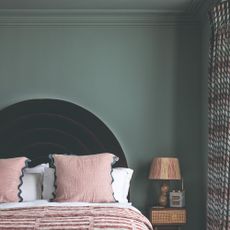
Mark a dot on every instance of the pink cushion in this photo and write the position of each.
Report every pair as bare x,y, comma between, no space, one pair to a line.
10,172
84,178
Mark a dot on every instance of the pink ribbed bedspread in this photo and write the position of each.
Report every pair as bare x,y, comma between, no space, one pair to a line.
87,217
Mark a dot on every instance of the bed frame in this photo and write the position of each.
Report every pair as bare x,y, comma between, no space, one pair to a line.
37,128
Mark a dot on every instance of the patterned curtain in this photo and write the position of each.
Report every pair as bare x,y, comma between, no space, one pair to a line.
218,206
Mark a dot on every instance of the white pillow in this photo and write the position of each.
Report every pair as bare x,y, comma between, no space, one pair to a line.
121,183
48,184
31,187
37,169
32,183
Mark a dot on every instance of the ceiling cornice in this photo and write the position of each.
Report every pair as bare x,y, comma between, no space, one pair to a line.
76,18
20,12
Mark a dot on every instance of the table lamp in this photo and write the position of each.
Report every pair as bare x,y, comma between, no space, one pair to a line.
165,169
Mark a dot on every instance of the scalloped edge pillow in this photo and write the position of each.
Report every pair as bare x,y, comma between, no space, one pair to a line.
31,188
11,172
122,177
121,183
85,178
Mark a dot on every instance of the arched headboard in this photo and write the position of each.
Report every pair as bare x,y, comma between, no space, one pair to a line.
39,127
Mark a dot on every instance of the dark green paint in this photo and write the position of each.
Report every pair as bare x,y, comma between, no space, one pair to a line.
144,83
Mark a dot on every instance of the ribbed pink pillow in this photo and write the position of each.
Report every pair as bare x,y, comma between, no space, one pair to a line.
10,172
84,178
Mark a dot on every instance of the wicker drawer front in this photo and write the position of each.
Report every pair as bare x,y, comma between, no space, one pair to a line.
168,217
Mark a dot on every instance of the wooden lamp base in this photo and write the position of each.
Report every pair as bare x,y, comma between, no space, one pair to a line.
163,199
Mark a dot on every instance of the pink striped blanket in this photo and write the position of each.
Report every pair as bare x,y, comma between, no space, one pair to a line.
87,217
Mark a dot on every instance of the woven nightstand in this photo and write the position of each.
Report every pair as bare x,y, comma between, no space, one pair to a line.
167,218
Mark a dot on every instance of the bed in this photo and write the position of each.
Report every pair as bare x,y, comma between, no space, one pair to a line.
37,128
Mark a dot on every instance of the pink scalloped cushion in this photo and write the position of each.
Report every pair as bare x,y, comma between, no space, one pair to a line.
84,178
10,172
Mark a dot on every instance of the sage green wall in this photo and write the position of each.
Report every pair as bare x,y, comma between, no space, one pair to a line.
188,122
205,62
144,83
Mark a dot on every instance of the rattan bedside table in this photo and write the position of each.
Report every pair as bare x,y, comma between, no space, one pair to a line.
167,218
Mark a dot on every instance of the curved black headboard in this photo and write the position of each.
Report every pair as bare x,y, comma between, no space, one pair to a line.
37,128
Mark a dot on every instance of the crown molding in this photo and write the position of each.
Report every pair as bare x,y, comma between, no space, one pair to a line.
20,12
85,18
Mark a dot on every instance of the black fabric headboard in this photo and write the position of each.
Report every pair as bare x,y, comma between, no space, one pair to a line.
37,128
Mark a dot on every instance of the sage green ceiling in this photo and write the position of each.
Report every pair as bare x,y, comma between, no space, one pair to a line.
146,5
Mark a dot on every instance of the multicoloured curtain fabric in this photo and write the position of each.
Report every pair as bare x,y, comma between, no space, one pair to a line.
218,206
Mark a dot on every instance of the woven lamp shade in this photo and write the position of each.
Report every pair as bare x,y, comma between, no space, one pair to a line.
165,168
